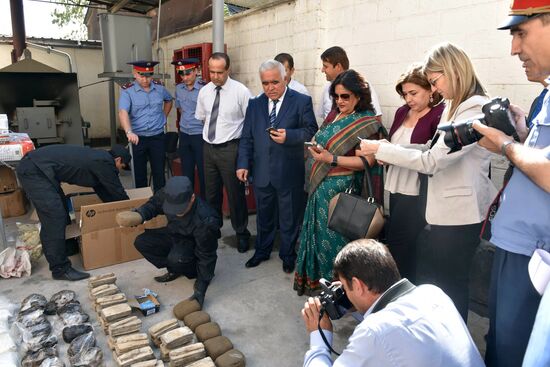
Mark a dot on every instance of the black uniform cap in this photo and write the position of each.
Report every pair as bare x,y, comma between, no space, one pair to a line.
118,150
178,191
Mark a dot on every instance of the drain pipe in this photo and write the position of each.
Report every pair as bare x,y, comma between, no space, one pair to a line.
51,49
18,29
160,52
217,25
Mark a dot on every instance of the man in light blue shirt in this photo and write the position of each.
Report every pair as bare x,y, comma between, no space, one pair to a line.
190,136
522,223
142,109
403,325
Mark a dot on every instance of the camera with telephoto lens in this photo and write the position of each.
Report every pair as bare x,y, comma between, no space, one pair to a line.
334,301
496,113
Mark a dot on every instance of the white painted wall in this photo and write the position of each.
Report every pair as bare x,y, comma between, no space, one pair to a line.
88,63
381,37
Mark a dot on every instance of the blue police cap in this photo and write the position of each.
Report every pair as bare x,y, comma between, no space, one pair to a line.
144,67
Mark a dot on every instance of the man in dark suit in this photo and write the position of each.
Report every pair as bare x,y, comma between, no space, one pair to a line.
277,124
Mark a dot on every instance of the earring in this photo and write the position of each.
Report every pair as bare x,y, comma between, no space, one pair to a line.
431,98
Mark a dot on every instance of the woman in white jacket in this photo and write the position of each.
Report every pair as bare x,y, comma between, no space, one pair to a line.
459,188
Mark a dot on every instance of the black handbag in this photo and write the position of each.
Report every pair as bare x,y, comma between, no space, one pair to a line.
353,216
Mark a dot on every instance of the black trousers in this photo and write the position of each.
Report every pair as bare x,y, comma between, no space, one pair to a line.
152,149
176,253
513,305
220,171
282,207
51,210
407,219
444,260
191,149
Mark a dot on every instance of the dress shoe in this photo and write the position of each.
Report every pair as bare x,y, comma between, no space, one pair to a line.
168,277
71,274
242,247
255,261
288,266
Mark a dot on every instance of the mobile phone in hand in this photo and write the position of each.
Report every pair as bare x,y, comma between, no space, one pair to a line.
270,129
317,147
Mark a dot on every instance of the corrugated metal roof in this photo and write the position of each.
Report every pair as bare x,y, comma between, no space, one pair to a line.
136,6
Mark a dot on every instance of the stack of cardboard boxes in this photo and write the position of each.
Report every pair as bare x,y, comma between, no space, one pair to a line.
12,198
102,241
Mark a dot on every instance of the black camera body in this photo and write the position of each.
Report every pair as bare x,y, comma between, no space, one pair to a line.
496,113
334,301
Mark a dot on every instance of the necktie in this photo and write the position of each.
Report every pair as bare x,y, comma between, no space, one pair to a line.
214,116
273,114
537,108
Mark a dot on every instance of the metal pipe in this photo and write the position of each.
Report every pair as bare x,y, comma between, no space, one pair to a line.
217,25
112,109
18,29
162,68
51,49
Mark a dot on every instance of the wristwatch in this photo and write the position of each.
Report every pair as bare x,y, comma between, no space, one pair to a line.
334,162
505,145
128,131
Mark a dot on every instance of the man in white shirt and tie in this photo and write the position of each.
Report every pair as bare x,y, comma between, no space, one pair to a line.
222,104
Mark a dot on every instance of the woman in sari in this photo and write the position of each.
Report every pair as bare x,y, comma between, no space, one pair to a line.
333,171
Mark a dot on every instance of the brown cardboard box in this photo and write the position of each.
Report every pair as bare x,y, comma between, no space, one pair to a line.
103,242
8,181
13,204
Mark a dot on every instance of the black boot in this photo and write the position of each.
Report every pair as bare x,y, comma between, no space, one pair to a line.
71,274
199,292
168,277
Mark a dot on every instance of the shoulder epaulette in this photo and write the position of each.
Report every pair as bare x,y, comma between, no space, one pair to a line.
158,82
127,85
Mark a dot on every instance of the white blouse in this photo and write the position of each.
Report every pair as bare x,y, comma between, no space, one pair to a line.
398,179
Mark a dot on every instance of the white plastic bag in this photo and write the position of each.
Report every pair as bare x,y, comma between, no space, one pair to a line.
14,263
28,238
9,359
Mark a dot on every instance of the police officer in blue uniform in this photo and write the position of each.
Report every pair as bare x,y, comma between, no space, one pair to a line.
143,107
190,136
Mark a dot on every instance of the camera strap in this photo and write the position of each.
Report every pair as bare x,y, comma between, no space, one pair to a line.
401,288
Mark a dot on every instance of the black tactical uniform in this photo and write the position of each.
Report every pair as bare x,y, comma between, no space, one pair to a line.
41,173
188,244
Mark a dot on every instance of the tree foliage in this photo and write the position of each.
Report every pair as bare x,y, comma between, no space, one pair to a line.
70,17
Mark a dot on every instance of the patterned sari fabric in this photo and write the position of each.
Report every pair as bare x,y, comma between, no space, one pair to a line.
318,244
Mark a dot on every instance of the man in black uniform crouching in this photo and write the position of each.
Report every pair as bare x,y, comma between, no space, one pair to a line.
41,173
188,244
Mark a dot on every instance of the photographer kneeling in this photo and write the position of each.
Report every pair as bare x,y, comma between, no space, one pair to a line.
403,325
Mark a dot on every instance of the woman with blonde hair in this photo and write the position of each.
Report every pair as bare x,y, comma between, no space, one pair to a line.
459,188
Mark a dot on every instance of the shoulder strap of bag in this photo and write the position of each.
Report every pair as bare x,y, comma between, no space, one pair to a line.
367,180
400,289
